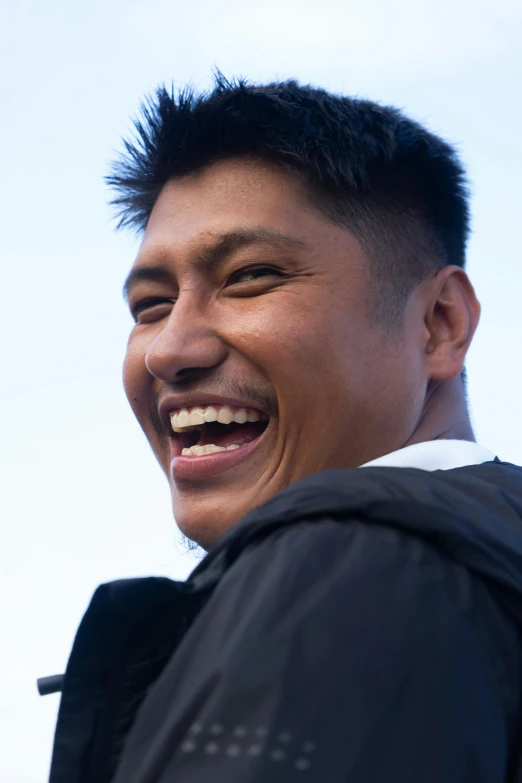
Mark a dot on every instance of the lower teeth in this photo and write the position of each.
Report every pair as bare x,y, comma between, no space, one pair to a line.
197,451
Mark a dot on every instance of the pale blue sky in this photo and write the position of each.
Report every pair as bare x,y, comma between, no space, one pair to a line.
82,499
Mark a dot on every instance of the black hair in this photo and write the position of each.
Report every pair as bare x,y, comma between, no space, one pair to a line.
397,187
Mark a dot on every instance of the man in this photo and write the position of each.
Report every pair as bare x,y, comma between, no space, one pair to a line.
302,317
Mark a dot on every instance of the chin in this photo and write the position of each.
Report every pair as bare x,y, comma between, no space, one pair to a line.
204,529
204,514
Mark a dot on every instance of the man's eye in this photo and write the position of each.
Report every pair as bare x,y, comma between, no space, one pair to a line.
150,309
252,274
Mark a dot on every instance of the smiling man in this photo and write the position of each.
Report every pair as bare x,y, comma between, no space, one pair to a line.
301,320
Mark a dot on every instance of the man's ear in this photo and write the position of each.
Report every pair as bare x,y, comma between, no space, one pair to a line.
451,317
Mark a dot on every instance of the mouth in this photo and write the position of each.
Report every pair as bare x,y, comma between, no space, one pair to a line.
209,439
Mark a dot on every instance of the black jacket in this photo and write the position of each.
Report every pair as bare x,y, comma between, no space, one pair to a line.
362,626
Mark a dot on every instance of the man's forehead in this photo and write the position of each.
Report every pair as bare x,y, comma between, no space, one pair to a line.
245,190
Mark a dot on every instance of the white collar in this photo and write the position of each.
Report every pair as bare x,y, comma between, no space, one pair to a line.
435,455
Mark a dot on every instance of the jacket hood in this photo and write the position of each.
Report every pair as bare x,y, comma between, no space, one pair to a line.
453,511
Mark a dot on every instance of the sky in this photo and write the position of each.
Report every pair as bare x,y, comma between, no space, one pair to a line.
83,500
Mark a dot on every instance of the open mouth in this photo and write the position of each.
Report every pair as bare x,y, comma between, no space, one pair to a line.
211,429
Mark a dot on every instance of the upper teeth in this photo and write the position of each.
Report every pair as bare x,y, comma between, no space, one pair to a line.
224,414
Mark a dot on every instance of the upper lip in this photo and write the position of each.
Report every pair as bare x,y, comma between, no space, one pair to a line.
174,402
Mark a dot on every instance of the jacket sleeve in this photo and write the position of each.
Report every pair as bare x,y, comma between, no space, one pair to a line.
350,653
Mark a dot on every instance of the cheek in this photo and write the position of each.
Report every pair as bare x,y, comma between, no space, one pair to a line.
295,344
136,378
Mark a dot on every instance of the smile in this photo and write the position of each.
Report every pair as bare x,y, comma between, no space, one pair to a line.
209,439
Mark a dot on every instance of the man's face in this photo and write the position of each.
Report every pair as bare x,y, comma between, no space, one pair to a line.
247,298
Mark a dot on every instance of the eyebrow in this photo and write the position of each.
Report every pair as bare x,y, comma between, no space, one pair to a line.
147,274
226,245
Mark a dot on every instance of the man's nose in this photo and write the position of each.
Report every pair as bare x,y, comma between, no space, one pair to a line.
186,342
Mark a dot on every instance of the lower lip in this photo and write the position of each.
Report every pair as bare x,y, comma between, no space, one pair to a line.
210,465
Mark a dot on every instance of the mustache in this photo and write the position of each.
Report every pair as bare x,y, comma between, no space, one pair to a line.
252,394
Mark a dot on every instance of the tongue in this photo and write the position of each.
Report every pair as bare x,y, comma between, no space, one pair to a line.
221,436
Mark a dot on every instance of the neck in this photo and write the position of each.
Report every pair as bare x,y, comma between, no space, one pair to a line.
445,414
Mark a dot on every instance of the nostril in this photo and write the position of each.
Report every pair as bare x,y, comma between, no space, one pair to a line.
192,373
186,371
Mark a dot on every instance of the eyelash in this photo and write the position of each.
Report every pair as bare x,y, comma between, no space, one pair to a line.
145,304
252,270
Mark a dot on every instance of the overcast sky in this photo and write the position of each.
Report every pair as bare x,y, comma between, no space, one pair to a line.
83,500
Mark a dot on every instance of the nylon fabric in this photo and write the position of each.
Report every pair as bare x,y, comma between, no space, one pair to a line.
360,625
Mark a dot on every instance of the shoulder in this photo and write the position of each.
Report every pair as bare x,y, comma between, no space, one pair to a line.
341,553
359,581
335,575
367,610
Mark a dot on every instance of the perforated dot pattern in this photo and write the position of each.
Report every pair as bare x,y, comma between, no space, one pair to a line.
218,739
